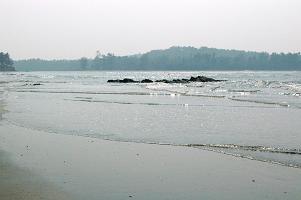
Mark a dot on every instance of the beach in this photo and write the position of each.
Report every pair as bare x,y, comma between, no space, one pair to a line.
71,139
19,182
150,100
52,166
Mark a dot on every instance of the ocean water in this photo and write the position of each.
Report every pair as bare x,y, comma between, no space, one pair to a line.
254,115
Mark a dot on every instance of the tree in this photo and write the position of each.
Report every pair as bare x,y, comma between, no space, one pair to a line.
6,63
84,63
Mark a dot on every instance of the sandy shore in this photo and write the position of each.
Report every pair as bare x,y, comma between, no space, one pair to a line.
17,183
41,165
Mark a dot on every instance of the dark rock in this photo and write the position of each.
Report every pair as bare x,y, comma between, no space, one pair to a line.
162,81
183,80
176,81
125,80
206,79
202,79
192,79
146,81
180,81
128,80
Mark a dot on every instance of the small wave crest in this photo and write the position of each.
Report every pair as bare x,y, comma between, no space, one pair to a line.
249,148
260,102
280,156
91,100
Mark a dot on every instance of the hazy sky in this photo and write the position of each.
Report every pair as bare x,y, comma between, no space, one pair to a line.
75,28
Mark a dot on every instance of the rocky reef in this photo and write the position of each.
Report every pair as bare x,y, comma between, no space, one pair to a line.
183,80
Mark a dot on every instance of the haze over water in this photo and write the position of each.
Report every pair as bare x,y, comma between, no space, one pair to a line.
253,114
75,28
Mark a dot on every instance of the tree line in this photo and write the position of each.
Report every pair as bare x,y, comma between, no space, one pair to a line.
176,58
190,58
6,63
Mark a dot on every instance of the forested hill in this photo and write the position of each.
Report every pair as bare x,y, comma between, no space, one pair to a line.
6,63
174,58
47,65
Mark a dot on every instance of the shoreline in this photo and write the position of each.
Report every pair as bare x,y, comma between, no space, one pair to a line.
93,168
36,164
18,182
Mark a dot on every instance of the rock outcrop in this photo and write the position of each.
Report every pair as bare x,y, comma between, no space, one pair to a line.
183,80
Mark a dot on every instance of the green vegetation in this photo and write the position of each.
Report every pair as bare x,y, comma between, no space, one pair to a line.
6,63
174,58
47,65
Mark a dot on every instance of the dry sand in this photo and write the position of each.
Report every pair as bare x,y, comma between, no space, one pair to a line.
41,165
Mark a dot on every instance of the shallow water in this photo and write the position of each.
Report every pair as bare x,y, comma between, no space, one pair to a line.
253,114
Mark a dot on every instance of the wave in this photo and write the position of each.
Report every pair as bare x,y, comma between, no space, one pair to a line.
284,157
85,92
235,150
4,82
282,104
206,95
241,90
120,93
260,102
249,148
90,100
186,93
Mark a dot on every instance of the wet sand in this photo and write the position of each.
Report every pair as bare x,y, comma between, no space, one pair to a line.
20,183
17,183
41,165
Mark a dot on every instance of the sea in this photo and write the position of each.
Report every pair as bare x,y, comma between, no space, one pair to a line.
251,114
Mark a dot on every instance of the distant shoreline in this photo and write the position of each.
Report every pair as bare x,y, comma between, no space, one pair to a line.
267,70
173,58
